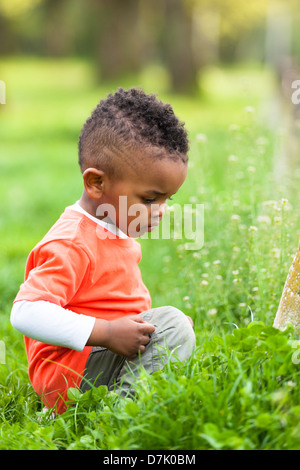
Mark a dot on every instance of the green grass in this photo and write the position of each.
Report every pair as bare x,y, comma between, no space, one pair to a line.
241,388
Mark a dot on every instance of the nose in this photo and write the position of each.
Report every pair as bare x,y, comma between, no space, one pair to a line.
160,211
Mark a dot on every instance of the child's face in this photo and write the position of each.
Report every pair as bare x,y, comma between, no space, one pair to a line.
140,198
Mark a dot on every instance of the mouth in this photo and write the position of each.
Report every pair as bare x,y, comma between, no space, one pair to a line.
151,227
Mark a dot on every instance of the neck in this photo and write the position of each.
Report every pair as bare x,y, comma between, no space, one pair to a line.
88,204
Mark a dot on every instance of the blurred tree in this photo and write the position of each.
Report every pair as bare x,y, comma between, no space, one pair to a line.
55,29
177,46
6,36
232,18
10,10
118,39
124,36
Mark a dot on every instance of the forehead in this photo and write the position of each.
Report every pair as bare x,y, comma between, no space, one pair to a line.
159,172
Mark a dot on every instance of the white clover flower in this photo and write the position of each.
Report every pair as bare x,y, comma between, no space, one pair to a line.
251,169
276,252
252,228
201,138
204,283
264,219
232,158
186,298
235,217
262,141
285,203
234,127
217,262
270,203
212,311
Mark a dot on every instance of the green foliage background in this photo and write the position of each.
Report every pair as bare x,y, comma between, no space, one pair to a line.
241,388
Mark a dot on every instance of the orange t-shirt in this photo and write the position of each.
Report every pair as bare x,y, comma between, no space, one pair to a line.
80,266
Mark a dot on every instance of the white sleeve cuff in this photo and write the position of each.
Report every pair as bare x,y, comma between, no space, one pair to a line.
52,324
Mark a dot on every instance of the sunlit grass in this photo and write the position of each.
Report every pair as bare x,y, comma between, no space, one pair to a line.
241,389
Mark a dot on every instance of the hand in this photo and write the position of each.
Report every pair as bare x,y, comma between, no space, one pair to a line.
126,336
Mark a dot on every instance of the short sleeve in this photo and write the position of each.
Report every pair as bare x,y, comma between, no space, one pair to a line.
54,273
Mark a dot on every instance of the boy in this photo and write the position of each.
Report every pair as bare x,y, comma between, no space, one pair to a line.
83,308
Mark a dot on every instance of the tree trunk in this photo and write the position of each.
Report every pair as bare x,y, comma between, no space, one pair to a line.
118,40
7,38
177,46
289,306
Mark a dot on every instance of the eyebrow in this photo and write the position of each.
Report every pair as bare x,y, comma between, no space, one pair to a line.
153,191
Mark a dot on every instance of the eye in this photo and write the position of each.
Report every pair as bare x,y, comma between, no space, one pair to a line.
148,200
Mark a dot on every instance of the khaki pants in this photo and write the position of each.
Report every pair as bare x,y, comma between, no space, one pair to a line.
173,331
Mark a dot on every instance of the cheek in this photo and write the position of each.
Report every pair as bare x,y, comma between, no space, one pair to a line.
139,211
158,210
138,220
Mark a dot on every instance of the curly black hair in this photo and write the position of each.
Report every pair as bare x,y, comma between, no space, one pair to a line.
128,119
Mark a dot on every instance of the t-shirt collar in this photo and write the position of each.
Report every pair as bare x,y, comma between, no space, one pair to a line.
110,227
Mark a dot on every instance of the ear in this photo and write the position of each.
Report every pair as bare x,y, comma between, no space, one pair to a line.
94,181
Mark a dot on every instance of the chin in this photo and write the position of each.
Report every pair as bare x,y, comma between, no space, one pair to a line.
139,233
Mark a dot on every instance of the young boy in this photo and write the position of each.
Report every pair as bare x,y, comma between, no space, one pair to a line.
83,308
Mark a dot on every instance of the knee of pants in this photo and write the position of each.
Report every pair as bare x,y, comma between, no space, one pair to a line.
172,328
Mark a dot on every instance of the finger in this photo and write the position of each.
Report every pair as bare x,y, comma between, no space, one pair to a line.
141,350
148,328
132,356
145,339
138,319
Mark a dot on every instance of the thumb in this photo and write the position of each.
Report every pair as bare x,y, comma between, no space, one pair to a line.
138,319
147,328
